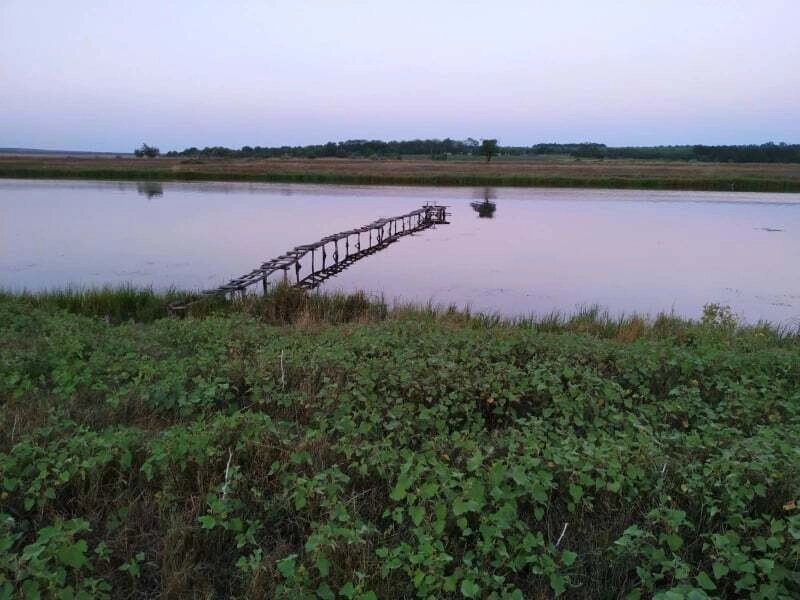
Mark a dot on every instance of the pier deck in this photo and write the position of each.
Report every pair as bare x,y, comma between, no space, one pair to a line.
330,255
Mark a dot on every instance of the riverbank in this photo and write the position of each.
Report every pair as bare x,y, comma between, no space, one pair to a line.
331,446
550,172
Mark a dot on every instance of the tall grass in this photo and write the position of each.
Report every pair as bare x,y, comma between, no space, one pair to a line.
114,304
284,305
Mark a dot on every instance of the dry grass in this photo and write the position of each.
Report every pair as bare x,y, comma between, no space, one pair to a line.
511,171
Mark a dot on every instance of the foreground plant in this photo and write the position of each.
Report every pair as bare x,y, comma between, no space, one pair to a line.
407,453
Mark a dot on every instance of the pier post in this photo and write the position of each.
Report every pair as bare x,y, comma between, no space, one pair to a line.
385,231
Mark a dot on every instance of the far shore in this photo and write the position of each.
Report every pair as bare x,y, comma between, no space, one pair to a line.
517,172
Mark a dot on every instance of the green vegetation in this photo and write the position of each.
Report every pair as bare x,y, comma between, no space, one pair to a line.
507,168
744,153
346,149
332,447
114,304
744,182
489,149
148,151
443,163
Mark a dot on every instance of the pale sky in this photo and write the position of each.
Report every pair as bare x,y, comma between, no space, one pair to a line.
108,75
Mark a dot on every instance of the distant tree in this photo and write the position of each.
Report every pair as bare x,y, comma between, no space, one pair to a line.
148,151
769,152
589,150
489,149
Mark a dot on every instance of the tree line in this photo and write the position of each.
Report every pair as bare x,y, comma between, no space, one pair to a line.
450,148
346,149
759,153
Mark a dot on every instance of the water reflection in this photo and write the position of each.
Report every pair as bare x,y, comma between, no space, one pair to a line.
486,208
151,189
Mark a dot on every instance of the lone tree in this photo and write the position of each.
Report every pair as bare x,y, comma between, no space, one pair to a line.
148,151
489,149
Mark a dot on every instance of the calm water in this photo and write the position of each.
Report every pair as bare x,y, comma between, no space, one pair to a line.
541,249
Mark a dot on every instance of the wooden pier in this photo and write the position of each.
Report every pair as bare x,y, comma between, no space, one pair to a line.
330,255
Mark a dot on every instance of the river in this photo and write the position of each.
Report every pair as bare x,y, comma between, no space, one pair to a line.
511,251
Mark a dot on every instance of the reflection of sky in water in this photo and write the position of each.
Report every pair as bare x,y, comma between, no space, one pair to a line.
542,249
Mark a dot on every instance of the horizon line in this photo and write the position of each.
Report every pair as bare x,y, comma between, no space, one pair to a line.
25,149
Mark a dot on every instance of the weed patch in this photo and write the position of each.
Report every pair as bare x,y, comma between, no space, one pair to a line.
335,447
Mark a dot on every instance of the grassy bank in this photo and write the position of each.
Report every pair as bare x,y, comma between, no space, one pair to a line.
565,172
331,446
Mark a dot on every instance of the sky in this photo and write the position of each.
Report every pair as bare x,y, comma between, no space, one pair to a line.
108,75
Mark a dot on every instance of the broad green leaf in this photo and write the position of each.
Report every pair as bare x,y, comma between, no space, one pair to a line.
558,583
460,506
399,491
704,581
324,592
286,566
674,541
417,513
576,492
766,565
474,461
73,555
207,521
720,570
323,566
470,589
347,590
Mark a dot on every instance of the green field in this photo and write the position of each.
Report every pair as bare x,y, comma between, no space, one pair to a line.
334,447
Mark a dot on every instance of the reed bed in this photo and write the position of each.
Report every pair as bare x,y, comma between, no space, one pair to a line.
286,305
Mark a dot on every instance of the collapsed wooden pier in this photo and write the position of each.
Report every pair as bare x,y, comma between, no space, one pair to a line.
331,254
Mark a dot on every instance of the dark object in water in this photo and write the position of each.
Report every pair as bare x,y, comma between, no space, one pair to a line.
484,209
151,189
